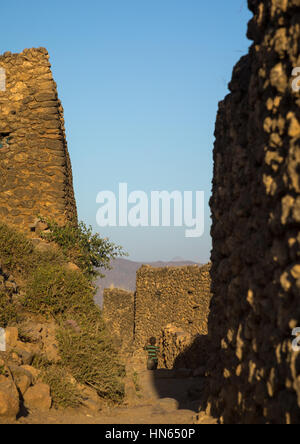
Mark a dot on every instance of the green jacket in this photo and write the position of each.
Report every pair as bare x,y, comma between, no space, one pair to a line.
153,351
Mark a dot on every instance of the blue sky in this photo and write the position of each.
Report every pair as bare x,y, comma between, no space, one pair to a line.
140,82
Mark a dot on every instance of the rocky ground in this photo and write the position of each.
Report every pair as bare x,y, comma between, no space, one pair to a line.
161,397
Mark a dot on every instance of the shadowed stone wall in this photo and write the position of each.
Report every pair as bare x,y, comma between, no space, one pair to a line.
255,374
35,169
118,312
180,349
171,295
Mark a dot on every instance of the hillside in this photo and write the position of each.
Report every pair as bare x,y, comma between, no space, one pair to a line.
56,351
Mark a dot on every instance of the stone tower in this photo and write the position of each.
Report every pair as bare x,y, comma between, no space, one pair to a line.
35,169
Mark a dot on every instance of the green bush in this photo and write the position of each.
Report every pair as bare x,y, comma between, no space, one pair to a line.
87,250
19,256
63,392
8,312
52,289
55,290
88,354
15,249
92,360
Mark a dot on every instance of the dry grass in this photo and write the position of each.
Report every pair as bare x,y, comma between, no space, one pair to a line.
87,353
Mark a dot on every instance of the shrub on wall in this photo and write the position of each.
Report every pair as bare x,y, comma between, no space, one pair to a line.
87,250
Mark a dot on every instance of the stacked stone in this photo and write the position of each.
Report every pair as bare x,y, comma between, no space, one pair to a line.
21,384
175,345
171,295
256,227
118,312
35,168
181,350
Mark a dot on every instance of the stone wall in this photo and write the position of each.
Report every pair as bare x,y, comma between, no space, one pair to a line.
182,350
255,374
35,169
118,312
177,295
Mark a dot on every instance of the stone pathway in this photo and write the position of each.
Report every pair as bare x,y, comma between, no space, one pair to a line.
161,397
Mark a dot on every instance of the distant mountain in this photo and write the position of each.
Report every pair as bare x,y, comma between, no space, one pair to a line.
123,274
178,259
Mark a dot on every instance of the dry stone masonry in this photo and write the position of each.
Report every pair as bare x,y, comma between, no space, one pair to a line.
170,303
171,295
255,374
35,169
182,350
118,312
